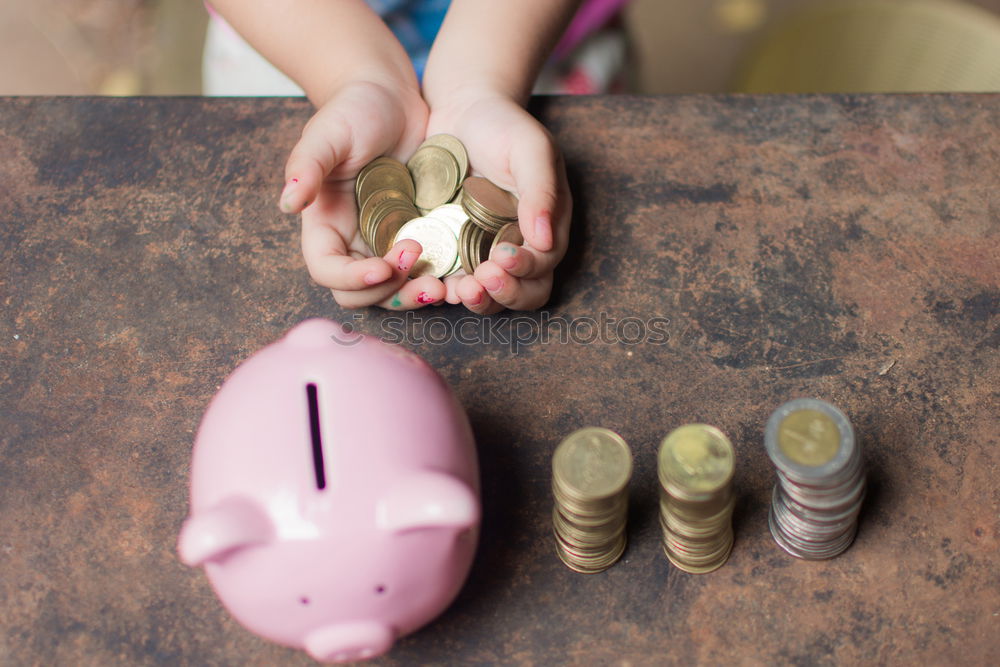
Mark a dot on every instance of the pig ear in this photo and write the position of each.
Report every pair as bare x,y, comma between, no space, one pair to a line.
232,524
428,500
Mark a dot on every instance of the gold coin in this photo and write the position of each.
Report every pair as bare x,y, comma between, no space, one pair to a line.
584,536
474,246
488,197
440,247
485,241
385,230
509,233
693,568
593,463
467,241
589,563
697,458
718,509
481,218
383,173
435,176
365,214
454,146
377,214
809,437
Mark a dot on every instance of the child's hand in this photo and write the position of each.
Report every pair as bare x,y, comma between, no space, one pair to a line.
512,149
360,122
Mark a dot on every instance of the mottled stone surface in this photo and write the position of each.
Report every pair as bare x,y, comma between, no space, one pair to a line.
846,248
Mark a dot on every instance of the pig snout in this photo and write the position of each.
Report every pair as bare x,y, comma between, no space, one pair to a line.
347,642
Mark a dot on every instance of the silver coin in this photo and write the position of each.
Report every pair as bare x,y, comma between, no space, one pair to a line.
821,483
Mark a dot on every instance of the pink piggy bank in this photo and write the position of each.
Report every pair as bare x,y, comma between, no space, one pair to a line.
334,493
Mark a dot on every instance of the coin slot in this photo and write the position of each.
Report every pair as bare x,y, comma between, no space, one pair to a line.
317,439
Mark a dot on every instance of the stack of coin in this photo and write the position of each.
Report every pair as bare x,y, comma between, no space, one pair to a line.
821,482
488,205
695,468
476,244
590,473
385,192
418,201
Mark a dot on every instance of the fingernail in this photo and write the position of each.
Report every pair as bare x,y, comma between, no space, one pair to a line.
285,202
424,297
372,278
407,259
543,227
506,255
492,284
477,300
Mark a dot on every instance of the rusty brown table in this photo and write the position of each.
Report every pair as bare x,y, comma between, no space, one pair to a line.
840,247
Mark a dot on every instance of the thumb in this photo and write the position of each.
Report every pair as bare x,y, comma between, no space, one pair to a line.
325,143
534,165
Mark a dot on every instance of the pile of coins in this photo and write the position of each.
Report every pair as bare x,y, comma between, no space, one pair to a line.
490,207
457,220
695,468
590,473
821,482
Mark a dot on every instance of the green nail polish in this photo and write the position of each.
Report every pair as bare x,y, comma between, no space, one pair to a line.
396,301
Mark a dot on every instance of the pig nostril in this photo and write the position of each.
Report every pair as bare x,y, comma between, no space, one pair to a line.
304,600
380,589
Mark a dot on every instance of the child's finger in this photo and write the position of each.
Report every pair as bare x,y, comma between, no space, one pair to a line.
345,273
396,263
415,293
501,286
534,164
515,260
475,298
328,259
451,287
323,145
513,292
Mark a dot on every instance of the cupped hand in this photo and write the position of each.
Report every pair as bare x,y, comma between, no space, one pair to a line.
362,121
511,148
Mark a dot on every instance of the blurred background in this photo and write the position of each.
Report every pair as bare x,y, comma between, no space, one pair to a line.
153,47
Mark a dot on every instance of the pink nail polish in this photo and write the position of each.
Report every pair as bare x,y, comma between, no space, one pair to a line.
477,300
406,260
424,297
371,278
492,284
